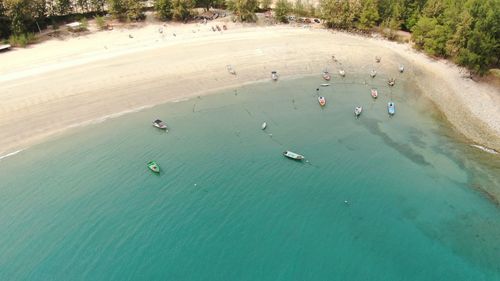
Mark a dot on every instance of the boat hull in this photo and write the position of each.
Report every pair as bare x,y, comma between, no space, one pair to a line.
293,155
374,93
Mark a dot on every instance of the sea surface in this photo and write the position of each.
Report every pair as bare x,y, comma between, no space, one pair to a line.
378,198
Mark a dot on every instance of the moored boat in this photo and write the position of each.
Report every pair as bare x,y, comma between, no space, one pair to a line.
160,124
322,101
326,75
391,82
377,59
401,68
264,126
274,75
153,166
373,73
374,93
325,85
342,72
357,111
293,155
391,108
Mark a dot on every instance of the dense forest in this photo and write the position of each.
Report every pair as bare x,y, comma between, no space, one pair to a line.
465,31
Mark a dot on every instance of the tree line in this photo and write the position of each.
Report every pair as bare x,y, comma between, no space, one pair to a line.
465,31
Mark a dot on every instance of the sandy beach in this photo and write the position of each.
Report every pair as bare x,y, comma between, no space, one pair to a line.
60,84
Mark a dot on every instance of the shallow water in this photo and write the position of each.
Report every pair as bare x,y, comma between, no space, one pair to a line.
229,206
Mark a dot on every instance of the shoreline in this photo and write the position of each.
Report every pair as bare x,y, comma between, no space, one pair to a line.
112,74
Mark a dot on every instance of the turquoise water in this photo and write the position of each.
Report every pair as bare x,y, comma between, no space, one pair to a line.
229,206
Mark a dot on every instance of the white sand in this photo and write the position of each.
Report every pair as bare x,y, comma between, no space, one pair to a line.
58,84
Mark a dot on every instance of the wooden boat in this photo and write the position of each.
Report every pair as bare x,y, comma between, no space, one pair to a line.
357,111
293,155
401,68
325,85
322,101
377,59
160,124
342,72
391,82
374,93
326,75
230,69
264,126
391,108
274,75
154,167
373,73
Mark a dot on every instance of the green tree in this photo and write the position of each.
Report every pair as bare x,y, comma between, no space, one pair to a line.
63,7
341,14
133,10
163,9
97,5
181,9
244,10
369,15
281,10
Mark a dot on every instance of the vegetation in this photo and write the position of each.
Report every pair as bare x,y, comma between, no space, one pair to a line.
281,10
466,31
244,10
265,5
101,23
163,9
182,9
22,40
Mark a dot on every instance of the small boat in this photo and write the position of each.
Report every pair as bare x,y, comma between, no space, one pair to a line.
153,166
357,111
160,124
342,72
326,75
373,73
293,155
374,93
274,75
391,108
391,82
325,85
377,59
230,69
401,68
264,126
322,101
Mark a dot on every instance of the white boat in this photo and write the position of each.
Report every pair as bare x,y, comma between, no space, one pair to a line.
325,85
373,73
274,75
293,155
322,101
358,110
401,68
160,124
374,93
391,108
264,126
342,72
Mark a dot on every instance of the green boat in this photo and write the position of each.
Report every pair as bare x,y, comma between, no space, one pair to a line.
154,167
